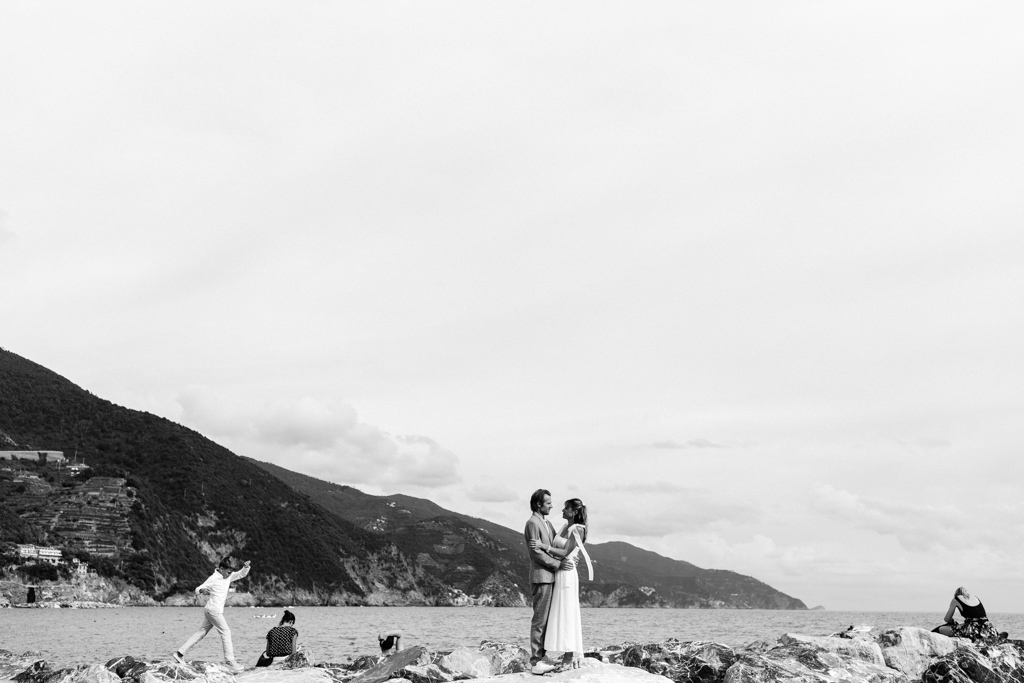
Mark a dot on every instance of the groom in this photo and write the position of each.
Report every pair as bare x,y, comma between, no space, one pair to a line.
542,575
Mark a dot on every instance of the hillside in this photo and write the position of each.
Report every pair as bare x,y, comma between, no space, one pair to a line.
193,502
490,554
162,504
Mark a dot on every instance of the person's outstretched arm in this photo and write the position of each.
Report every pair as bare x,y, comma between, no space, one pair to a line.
241,573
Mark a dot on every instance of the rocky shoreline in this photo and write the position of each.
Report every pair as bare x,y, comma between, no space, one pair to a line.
903,655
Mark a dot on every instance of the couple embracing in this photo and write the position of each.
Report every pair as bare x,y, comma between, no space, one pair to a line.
556,624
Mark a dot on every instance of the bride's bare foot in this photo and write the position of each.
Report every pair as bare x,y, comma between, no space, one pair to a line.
577,660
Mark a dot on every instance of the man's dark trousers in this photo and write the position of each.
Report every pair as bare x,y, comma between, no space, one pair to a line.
539,625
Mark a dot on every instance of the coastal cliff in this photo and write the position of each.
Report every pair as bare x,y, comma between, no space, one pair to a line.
903,655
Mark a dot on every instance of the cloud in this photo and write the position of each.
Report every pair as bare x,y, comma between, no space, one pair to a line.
917,527
686,510
492,494
927,442
6,234
692,443
324,440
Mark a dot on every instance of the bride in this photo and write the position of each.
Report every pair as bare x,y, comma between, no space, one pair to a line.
565,631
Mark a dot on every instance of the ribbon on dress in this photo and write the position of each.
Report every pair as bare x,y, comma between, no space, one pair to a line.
579,544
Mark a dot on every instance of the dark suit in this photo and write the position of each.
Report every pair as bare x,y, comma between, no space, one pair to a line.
542,578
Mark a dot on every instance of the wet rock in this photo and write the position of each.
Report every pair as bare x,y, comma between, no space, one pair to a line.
683,662
912,650
508,659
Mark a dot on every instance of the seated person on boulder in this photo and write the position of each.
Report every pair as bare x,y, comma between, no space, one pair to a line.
282,640
975,625
390,642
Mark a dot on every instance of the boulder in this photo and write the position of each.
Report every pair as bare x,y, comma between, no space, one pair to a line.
912,650
592,670
12,664
465,663
507,659
95,673
270,675
390,666
426,673
807,661
986,663
299,659
683,662
855,648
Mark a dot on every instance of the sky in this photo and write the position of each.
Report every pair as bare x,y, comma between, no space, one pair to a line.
746,278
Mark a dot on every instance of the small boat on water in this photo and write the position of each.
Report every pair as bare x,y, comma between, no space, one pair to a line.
264,616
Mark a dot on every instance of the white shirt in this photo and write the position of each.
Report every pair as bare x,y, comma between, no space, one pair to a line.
218,586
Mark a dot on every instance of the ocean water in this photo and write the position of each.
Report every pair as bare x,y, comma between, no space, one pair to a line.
66,636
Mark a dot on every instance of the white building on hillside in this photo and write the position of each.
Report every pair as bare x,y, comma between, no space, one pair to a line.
39,456
50,555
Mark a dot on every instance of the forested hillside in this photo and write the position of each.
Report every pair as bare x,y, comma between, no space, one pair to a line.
162,504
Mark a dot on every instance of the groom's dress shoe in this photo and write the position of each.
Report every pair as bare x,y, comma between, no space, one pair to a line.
541,668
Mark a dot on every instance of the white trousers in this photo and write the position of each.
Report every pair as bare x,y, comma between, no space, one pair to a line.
212,620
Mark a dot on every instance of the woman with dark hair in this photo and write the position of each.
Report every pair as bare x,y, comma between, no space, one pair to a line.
282,640
975,626
390,642
565,628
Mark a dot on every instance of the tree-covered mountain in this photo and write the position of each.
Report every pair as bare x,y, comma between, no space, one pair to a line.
195,501
164,503
624,575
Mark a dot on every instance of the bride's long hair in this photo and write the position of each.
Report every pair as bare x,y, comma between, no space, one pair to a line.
579,515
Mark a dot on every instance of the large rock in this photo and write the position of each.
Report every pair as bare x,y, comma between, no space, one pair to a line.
912,650
425,673
813,660
12,664
268,675
683,662
391,666
994,663
591,671
864,650
94,673
466,663
508,659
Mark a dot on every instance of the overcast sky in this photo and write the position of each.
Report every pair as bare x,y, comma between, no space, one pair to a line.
746,278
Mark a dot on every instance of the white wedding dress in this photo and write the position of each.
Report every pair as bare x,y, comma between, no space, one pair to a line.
565,630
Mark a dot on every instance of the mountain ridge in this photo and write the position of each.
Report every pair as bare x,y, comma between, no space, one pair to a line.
184,501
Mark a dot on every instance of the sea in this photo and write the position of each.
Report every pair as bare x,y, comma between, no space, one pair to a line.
66,637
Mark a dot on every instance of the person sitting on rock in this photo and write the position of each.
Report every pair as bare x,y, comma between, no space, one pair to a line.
975,625
390,642
282,640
